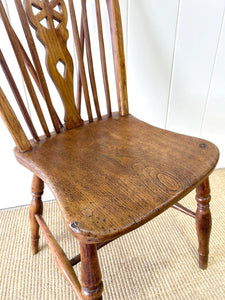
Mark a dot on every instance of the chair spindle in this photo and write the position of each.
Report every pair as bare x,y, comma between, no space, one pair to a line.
80,59
29,65
79,84
21,63
103,57
13,124
89,59
33,73
18,97
118,55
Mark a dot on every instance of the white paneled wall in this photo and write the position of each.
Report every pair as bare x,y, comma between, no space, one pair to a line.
151,37
198,31
175,53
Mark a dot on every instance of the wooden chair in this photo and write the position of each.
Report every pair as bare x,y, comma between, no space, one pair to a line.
110,175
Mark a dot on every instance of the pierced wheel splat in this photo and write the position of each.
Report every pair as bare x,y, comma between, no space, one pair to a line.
50,24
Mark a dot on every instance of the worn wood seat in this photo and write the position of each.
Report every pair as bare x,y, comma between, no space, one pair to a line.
109,175
129,172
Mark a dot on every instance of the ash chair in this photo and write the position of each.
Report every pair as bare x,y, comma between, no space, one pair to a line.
110,175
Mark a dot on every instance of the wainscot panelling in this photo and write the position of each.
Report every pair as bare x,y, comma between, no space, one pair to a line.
151,38
199,27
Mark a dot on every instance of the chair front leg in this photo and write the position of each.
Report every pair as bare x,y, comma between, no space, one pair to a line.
203,222
91,280
36,207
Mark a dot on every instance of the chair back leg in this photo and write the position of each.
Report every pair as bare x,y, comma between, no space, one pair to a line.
91,279
36,207
203,221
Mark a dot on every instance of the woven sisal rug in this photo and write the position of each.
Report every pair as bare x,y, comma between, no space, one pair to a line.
157,261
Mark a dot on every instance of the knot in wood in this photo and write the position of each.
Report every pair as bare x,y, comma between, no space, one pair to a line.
202,145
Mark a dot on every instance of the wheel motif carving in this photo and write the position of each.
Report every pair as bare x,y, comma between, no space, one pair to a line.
46,14
49,18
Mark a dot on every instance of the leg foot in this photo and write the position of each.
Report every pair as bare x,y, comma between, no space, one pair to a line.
36,207
203,222
91,283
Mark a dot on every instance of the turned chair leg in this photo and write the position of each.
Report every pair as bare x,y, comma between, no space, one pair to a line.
36,207
91,283
203,222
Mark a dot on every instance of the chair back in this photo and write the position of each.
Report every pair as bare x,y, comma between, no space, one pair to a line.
50,19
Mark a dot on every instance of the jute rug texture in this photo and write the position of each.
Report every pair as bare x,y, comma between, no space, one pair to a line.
157,261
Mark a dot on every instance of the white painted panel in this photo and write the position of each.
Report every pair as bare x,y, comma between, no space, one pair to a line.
198,33
151,36
213,127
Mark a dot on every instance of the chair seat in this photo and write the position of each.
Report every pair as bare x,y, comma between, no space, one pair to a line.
113,175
